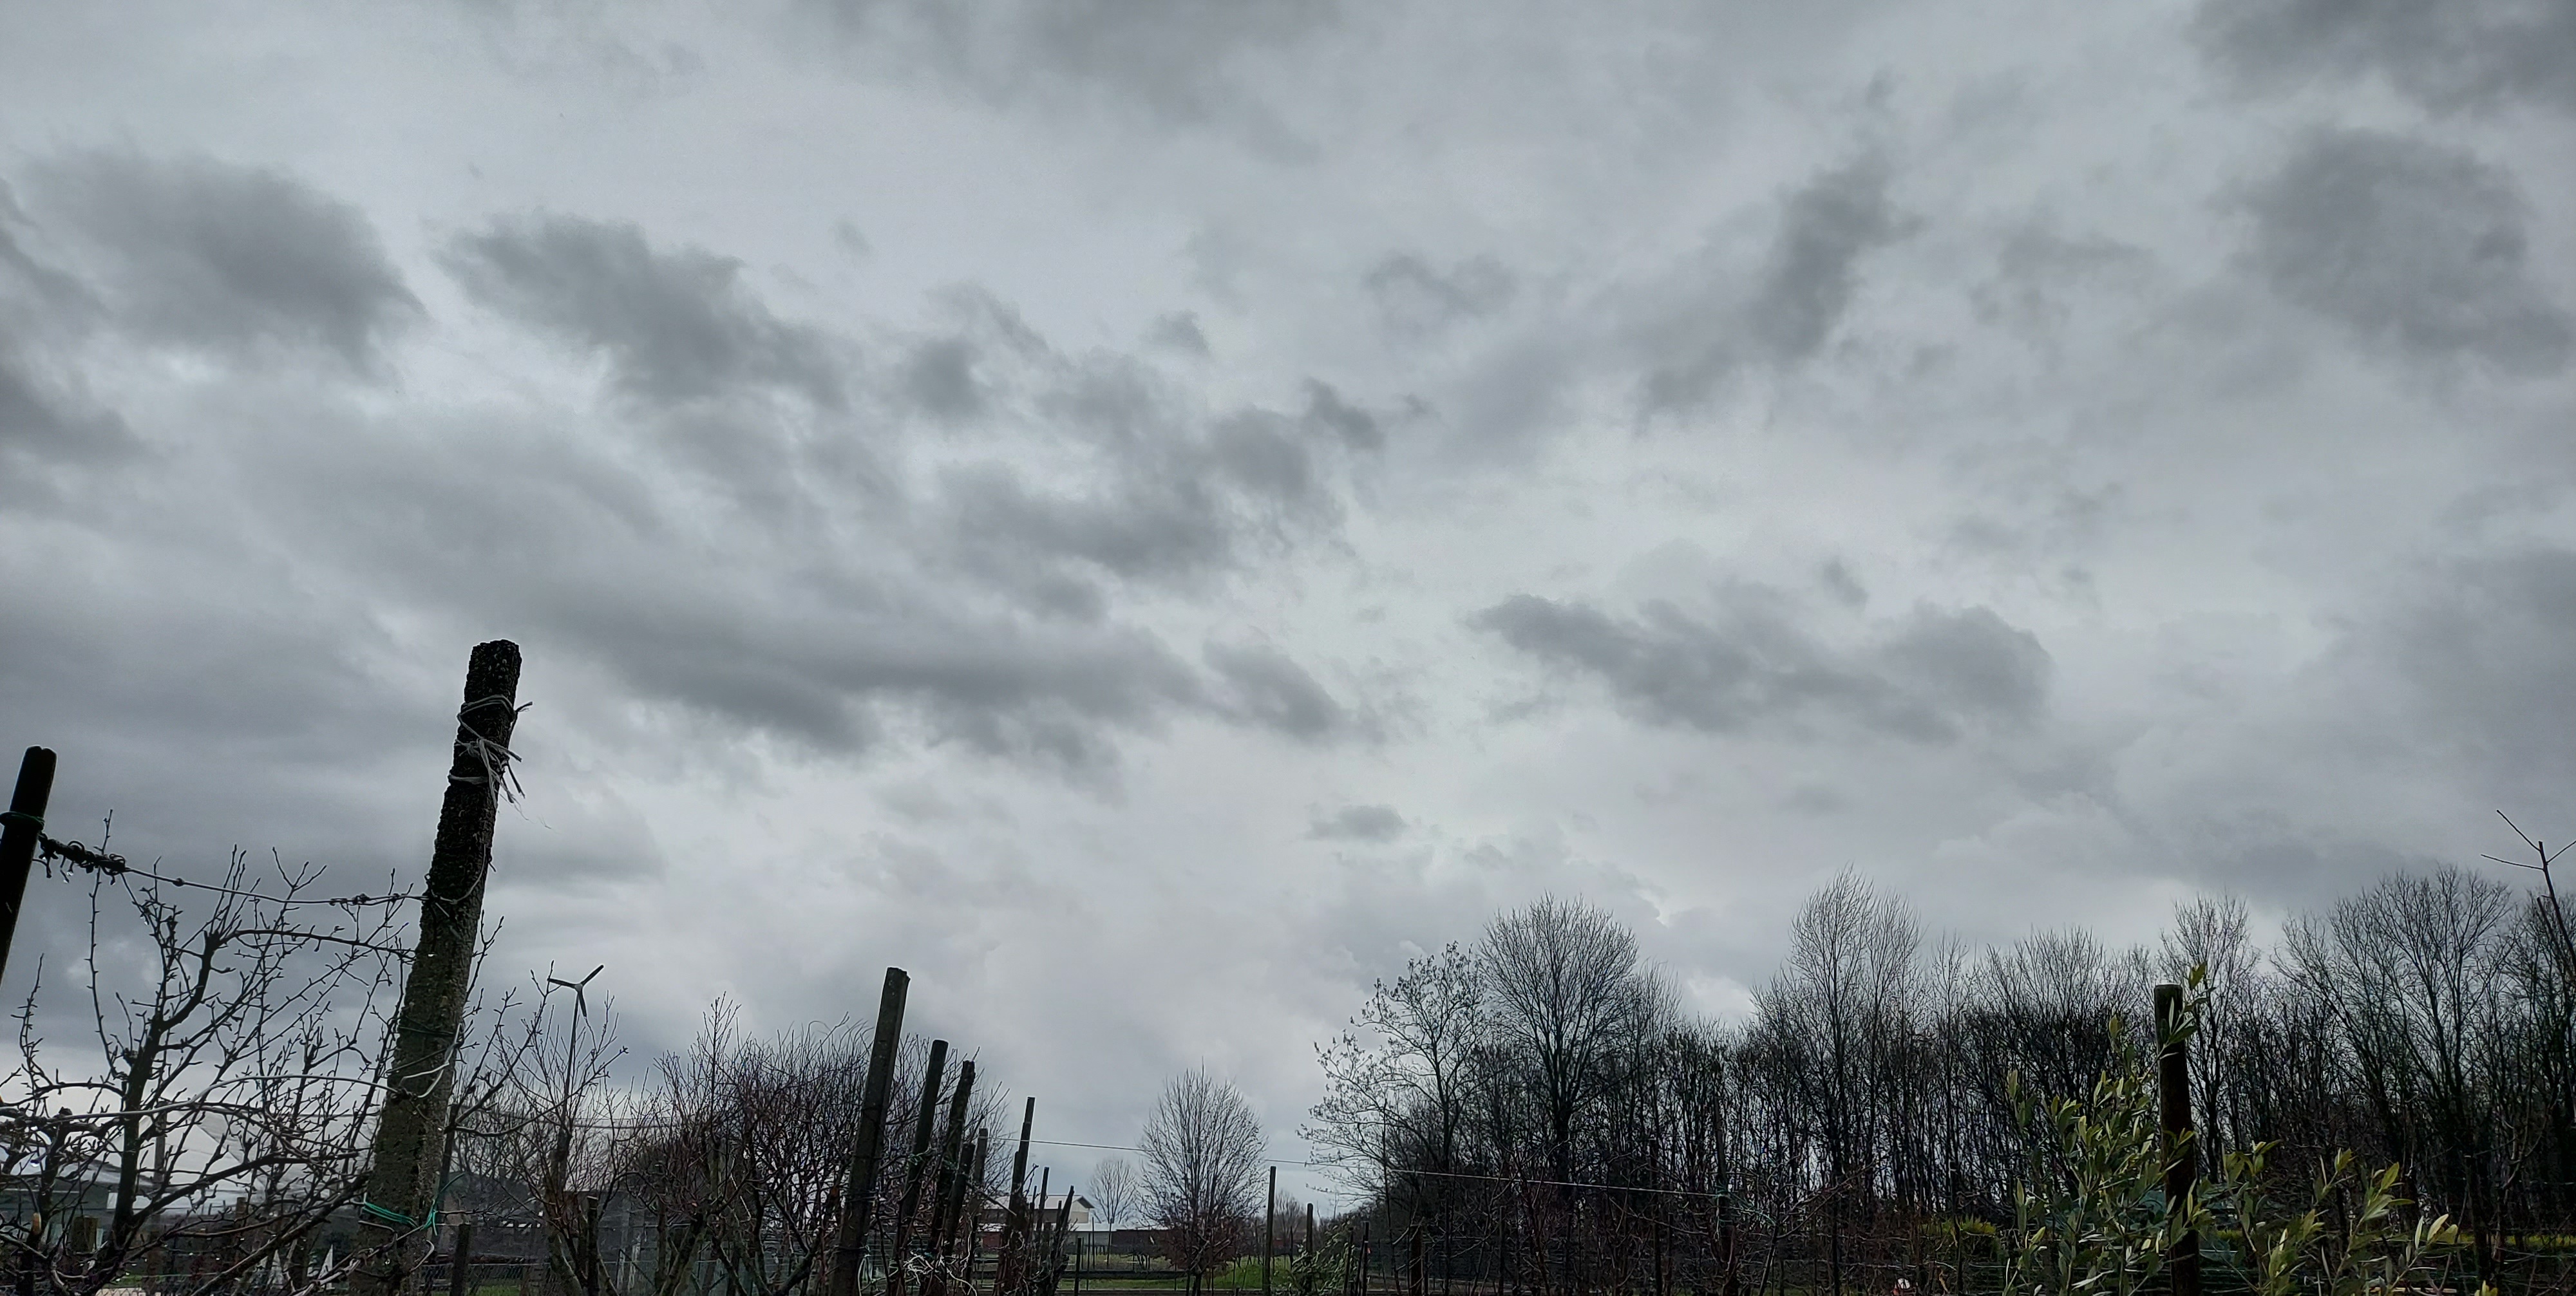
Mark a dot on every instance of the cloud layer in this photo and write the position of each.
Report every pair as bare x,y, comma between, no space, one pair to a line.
1148,515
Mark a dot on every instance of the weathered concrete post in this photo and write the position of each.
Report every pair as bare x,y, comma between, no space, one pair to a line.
1015,1225
410,1144
909,1210
21,831
858,1196
2181,1150
952,1173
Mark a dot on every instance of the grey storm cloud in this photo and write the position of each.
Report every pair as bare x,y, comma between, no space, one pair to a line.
41,422
1266,687
1361,823
1795,299
677,324
2447,54
1151,491
1179,331
43,414
1926,678
245,262
2478,649
972,598
2410,244
1357,428
1174,61
1416,297
1809,281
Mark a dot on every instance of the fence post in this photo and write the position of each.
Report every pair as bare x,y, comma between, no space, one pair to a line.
410,1143
933,1076
2181,1150
460,1265
21,831
952,1173
1015,1227
1038,1220
1269,1230
970,1208
859,1195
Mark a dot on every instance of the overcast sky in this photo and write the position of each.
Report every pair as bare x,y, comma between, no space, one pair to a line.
1148,514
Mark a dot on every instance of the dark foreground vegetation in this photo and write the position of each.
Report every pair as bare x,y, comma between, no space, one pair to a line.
1533,1113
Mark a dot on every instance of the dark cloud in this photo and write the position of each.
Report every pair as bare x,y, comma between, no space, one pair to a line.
2037,274
1176,62
1357,428
939,378
677,324
1926,678
2446,54
833,640
43,414
1417,298
1145,487
1265,687
1179,331
240,262
1796,300
43,423
2478,650
1808,282
1161,524
1364,823
2411,245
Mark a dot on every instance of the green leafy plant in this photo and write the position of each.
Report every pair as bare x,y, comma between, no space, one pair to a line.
2353,1238
1323,1268
2091,1216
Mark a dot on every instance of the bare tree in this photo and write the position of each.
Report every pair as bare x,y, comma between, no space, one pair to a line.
1567,994
1202,1170
1114,1192
221,1123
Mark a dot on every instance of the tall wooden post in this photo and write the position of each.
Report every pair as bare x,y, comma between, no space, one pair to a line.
1015,1229
1269,1230
410,1143
858,1196
1055,1240
968,1215
1037,1243
933,1075
2181,1150
460,1263
952,1175
21,831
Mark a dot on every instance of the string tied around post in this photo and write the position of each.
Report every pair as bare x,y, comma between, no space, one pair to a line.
493,757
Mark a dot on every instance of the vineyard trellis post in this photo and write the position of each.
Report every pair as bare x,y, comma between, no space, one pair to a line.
1269,1229
1015,1226
21,831
952,1171
2181,1150
868,1149
402,1192
916,1167
460,1262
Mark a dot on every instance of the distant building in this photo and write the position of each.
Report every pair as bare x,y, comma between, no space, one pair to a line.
997,1216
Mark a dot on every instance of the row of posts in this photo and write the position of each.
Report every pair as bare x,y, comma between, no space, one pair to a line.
409,1152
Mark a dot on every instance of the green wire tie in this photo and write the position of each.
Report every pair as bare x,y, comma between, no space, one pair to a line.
35,822
395,1217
